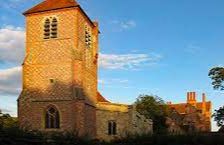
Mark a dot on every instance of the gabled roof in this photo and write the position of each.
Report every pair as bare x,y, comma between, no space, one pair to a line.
181,108
100,98
48,5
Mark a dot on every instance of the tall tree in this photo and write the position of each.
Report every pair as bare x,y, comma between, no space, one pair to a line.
219,116
153,108
217,76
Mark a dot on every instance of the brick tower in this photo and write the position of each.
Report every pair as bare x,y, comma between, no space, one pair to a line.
60,77
60,69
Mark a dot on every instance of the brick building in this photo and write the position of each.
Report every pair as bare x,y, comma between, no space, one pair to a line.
60,77
192,116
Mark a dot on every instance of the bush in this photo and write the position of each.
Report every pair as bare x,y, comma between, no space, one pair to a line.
15,136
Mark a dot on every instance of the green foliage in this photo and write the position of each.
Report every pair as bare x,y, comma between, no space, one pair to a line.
217,75
190,139
6,121
154,108
219,116
69,138
14,136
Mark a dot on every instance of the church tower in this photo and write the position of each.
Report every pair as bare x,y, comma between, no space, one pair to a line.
60,77
59,69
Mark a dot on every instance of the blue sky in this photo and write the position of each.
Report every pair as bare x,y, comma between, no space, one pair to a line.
159,47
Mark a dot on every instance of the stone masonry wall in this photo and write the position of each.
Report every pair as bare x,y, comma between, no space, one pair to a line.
139,123
104,116
128,121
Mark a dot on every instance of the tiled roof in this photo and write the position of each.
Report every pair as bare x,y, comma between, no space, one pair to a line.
181,108
48,5
199,105
100,98
208,106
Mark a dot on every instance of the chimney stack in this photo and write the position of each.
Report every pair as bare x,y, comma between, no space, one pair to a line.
203,97
203,103
169,103
194,96
191,98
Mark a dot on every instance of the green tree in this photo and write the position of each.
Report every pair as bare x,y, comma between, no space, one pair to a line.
153,107
219,116
6,121
217,76
1,120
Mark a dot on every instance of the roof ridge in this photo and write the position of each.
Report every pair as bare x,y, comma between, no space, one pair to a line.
100,98
48,5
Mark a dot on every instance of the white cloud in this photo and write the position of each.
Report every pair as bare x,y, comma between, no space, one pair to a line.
112,81
127,61
10,88
193,49
128,24
124,25
5,110
10,81
12,40
118,84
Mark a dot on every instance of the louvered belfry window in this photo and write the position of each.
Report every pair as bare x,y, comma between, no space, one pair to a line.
47,29
54,25
50,28
88,37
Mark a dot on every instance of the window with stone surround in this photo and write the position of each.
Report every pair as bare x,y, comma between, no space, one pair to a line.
52,119
112,128
50,28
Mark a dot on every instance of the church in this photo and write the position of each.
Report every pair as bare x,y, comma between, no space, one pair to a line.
60,77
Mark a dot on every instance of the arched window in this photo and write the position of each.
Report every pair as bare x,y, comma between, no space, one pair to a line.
54,29
52,119
50,28
112,128
47,29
